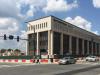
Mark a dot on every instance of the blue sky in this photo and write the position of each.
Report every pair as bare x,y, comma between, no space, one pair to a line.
14,13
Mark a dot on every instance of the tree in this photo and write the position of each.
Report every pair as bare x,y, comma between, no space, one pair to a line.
17,52
9,50
3,50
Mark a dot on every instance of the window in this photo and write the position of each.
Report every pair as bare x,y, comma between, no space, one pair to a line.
31,28
42,25
46,24
38,26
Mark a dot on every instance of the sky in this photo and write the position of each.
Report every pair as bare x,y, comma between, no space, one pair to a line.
14,13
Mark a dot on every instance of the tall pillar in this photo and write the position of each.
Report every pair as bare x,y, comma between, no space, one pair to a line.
87,47
52,34
82,46
38,52
70,44
27,48
49,42
77,46
61,50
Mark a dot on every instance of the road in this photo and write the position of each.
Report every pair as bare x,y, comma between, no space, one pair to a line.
49,69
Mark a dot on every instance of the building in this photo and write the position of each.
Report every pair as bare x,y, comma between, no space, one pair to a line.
53,36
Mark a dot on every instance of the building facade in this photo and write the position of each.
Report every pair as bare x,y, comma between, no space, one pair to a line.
53,36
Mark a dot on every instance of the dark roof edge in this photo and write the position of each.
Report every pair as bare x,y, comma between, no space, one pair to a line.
40,18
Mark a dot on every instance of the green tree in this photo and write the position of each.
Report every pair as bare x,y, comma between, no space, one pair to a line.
17,52
9,50
3,50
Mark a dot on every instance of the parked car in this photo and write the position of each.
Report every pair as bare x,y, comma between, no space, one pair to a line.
67,60
92,58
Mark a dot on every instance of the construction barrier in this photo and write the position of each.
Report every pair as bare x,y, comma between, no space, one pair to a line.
41,61
44,61
55,61
17,61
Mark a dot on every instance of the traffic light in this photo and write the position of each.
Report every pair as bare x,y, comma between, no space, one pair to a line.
11,37
17,38
5,37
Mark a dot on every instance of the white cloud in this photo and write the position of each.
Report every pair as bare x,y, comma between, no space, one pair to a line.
8,26
33,6
59,5
96,3
81,22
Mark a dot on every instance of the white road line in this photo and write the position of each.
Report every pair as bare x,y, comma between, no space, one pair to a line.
4,66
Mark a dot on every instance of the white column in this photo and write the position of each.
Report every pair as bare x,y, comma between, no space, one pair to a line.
61,45
26,48
77,46
52,34
70,44
49,42
38,52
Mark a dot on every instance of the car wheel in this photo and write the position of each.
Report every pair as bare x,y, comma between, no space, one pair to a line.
86,60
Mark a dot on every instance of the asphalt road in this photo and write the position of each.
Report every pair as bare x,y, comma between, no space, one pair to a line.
49,69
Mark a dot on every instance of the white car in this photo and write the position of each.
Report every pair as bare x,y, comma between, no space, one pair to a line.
67,60
92,58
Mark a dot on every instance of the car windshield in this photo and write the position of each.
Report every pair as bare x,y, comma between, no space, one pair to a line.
92,56
67,58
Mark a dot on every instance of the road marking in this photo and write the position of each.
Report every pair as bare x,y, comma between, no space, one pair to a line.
4,66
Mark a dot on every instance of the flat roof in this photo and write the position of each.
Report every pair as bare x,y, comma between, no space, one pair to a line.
64,22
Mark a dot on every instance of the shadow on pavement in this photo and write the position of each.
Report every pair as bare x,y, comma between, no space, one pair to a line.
79,70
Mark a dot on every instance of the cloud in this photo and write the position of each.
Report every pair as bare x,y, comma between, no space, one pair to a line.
81,22
11,14
8,26
8,8
96,3
59,5
31,5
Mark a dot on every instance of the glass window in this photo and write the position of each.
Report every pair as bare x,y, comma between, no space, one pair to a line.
40,26
36,26
46,24
31,27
